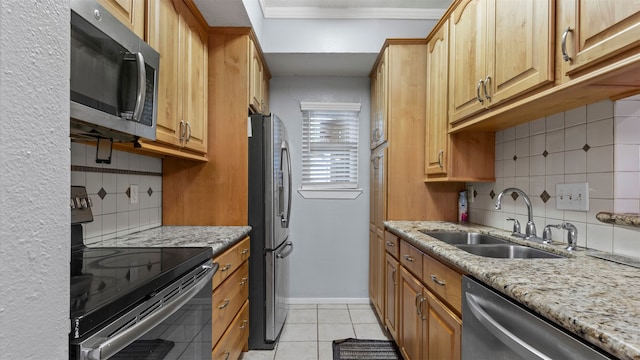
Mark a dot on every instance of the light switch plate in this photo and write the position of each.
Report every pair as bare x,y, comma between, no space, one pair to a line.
574,196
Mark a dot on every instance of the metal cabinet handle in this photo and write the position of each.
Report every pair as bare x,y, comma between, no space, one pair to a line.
390,244
243,281
418,302
393,275
437,281
422,300
480,99
188,132
244,324
224,304
227,355
376,134
244,251
226,267
440,159
182,130
484,87
376,162
409,258
565,55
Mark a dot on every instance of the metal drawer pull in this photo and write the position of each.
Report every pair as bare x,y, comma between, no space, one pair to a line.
390,244
244,281
393,275
440,159
565,55
437,281
224,304
226,267
244,251
228,354
244,324
418,302
409,258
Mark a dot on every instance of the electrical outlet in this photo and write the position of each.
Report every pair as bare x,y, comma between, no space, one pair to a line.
134,194
573,196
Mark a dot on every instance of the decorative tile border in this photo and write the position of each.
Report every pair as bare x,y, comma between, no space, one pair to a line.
113,171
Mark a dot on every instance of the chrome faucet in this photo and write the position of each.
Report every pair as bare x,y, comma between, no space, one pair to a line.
530,228
572,234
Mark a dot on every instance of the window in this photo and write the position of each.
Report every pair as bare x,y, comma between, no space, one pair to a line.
330,150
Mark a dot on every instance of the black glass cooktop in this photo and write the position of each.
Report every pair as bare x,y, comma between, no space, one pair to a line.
107,281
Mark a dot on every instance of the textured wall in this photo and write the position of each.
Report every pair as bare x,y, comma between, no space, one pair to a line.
331,258
34,179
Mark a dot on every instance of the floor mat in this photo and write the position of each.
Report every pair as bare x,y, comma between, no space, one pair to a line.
357,349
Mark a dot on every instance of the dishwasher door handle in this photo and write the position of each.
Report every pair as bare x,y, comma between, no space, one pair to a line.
518,345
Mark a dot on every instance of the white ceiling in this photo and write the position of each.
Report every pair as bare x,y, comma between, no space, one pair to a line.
354,9
234,13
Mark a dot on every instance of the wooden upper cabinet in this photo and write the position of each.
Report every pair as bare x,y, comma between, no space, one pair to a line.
182,96
258,81
380,99
499,49
437,101
599,30
129,12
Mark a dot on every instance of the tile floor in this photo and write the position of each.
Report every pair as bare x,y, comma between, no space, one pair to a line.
310,329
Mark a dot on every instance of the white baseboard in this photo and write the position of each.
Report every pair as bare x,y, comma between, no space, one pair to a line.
329,301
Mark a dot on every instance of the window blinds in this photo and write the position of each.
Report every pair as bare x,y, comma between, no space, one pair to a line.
330,146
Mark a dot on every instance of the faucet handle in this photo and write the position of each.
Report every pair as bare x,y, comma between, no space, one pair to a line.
516,227
546,233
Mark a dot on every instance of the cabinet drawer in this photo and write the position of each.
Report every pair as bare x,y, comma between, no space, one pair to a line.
227,300
230,260
391,244
443,281
234,340
411,258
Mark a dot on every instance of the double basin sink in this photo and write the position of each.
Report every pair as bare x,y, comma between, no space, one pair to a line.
488,245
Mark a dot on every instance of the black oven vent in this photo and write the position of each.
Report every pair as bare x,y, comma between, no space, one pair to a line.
144,313
124,327
170,295
188,283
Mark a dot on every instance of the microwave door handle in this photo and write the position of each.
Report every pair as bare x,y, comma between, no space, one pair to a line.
142,87
118,342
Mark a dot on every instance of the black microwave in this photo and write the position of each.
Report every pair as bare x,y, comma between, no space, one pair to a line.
114,77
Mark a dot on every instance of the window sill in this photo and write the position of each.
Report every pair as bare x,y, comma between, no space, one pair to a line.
335,194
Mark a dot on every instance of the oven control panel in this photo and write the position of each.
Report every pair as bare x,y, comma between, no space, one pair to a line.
80,204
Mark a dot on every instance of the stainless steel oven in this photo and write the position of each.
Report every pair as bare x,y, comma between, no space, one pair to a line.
137,302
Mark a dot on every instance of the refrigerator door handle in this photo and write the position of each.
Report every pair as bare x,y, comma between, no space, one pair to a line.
285,149
282,254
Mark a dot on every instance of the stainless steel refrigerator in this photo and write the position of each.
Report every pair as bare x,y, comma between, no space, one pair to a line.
269,216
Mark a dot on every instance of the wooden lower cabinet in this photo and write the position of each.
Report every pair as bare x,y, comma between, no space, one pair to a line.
234,340
391,295
230,302
427,328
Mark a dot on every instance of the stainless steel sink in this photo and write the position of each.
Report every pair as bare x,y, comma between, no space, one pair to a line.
460,237
507,251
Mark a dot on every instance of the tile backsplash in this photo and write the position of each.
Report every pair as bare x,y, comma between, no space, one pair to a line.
108,185
598,144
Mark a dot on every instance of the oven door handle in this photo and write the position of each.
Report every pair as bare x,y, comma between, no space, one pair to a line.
118,342
518,345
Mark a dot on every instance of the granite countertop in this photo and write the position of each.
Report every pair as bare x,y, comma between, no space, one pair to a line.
597,300
219,238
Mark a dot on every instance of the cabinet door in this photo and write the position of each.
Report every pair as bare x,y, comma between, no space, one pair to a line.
380,277
380,101
443,331
601,30
520,47
255,86
129,12
373,117
437,105
194,82
163,35
467,60
391,295
373,263
380,191
411,319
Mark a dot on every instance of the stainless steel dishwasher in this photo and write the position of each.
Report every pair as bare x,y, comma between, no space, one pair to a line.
495,327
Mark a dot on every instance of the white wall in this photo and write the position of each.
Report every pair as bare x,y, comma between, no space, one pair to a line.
610,164
330,260
34,179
